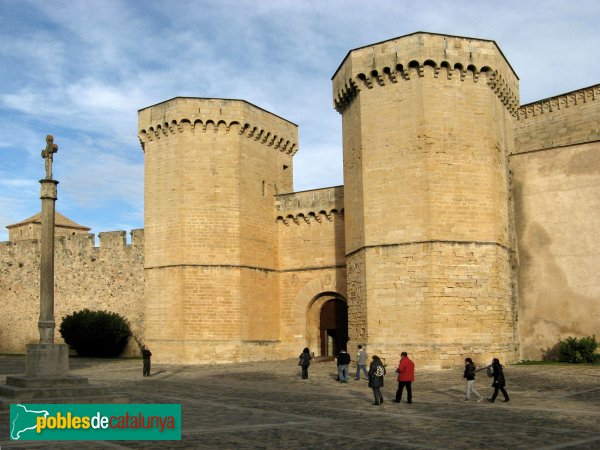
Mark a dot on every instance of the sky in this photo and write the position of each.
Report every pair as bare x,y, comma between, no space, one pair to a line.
80,70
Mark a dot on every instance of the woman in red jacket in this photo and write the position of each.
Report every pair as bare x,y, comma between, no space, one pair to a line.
406,375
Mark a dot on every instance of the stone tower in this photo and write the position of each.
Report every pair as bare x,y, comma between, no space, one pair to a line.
212,167
427,129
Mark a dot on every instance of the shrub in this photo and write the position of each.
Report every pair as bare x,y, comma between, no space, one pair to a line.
95,333
580,350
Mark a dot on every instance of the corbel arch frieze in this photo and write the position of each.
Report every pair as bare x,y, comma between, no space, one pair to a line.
387,75
555,104
311,217
143,138
345,95
198,125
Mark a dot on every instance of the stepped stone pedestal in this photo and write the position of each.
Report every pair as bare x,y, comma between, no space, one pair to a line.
47,380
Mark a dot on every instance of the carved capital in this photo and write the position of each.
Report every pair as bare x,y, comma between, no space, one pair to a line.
48,189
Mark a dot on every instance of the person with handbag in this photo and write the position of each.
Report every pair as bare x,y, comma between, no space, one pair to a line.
376,374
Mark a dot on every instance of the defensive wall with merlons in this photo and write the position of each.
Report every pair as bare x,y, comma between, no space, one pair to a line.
466,225
107,277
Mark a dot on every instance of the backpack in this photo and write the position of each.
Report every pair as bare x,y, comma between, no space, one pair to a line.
380,371
490,371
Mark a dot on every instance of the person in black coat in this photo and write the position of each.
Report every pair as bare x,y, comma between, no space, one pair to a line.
499,381
376,373
343,361
305,358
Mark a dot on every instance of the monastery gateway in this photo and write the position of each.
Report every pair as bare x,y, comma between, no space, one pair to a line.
467,224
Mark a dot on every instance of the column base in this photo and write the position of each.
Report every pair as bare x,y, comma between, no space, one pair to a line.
47,360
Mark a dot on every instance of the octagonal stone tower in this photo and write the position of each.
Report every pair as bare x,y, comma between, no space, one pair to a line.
211,169
427,128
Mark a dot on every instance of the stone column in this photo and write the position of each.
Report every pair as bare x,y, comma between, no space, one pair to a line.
46,323
47,359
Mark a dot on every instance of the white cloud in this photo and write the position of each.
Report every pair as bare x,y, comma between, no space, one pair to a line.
81,70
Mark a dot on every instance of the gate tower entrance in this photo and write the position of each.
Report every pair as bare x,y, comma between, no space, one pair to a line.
333,327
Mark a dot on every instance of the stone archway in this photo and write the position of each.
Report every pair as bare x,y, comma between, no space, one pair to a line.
328,324
333,327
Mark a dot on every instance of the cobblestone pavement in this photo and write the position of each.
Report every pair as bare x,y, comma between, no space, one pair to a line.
267,405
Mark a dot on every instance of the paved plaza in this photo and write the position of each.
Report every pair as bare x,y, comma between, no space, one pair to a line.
267,405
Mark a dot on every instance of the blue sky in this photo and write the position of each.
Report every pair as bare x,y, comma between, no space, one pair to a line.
80,70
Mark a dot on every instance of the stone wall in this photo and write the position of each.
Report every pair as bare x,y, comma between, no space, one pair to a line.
109,277
556,184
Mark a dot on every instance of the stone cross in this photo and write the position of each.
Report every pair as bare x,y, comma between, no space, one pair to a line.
47,153
48,196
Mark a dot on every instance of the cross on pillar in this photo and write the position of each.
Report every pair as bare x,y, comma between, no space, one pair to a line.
46,323
47,153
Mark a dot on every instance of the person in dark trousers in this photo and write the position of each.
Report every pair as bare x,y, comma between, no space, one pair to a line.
406,375
499,381
469,374
343,361
305,358
375,374
146,354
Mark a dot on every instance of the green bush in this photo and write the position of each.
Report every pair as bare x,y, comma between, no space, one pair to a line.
580,350
95,333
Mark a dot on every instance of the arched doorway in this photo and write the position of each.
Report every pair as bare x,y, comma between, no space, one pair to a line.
333,327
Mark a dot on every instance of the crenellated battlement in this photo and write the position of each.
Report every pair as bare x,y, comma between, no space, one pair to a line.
559,102
105,277
109,240
567,119
309,207
423,55
219,117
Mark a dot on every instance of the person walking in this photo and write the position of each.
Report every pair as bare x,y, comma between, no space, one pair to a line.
305,358
469,374
406,375
146,354
375,375
361,362
343,360
499,381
